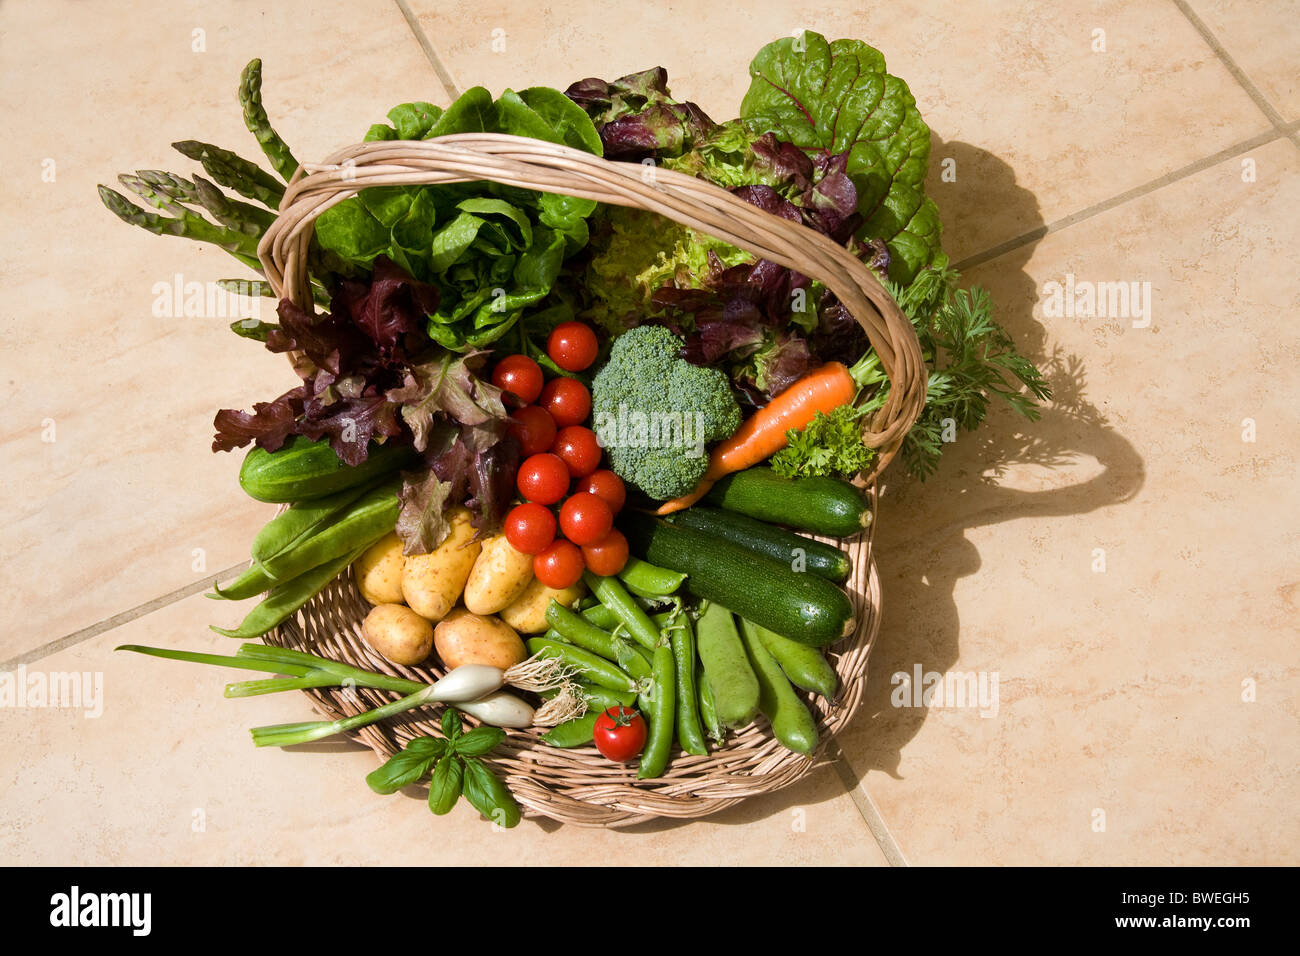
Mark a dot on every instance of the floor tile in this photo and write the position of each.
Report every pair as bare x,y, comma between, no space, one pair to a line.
167,775
113,496
1122,566
1260,36
1037,125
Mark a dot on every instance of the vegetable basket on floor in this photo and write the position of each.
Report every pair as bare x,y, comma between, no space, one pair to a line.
577,785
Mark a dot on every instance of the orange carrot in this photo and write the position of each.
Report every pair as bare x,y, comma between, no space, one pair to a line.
763,434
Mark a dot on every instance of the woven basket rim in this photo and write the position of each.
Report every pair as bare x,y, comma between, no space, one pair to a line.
578,786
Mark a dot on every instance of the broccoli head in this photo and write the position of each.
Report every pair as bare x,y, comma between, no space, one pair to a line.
654,412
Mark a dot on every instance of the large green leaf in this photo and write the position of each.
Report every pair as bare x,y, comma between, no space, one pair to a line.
836,97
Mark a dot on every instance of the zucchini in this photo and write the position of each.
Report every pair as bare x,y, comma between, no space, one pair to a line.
792,550
801,606
303,469
826,506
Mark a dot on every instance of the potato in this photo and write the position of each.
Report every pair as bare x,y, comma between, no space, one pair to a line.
499,576
466,638
432,583
398,633
527,613
379,571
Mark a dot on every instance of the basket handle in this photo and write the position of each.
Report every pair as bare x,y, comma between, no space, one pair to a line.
548,167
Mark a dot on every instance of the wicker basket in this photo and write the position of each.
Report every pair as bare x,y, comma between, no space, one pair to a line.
579,786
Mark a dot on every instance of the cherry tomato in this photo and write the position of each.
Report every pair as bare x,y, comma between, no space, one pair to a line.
578,449
559,566
543,479
620,734
534,428
519,375
607,485
530,528
567,400
608,556
572,346
585,519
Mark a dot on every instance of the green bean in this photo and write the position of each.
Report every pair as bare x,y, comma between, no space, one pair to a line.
362,523
659,740
732,682
300,521
605,619
249,584
581,633
708,713
635,621
803,665
574,733
791,722
689,733
290,596
642,577
595,669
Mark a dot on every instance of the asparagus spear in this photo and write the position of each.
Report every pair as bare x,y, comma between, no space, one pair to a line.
234,172
255,118
188,225
231,213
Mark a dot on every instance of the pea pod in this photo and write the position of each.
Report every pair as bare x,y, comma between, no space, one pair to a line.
659,739
731,678
288,597
642,577
582,633
249,584
574,733
605,619
791,722
804,666
614,596
689,733
362,523
594,668
708,712
299,522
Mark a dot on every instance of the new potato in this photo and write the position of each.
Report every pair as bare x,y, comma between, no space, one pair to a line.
463,637
527,613
432,583
379,571
499,576
398,633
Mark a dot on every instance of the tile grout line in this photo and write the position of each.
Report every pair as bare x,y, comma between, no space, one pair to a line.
868,810
444,75
1136,192
1237,72
124,617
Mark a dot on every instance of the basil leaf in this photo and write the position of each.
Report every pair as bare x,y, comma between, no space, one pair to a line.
444,788
401,770
451,724
488,795
479,741
427,746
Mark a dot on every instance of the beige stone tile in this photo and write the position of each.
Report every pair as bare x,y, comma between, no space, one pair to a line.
167,775
112,512
1261,38
1013,92
1121,691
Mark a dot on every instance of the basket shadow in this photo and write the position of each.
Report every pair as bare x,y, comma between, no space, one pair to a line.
921,542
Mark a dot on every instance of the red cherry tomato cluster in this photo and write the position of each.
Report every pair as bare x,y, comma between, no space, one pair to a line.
561,466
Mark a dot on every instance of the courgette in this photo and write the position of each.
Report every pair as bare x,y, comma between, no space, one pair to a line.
820,505
801,606
302,469
792,550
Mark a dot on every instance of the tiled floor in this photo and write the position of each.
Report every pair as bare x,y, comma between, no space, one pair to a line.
1124,568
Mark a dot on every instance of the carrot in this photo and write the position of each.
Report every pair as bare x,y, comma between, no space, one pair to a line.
763,434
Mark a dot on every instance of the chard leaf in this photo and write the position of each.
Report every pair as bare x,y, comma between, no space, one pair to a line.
836,97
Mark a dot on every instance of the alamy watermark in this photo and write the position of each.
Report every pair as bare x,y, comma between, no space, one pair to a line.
1081,298
633,428
71,690
931,689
